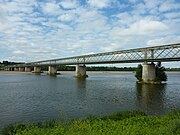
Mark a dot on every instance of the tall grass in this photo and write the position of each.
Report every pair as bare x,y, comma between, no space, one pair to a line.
123,123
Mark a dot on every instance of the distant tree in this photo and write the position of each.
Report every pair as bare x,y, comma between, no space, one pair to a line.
138,74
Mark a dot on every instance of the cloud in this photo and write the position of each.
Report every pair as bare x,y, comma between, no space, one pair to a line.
169,5
172,15
66,17
164,41
51,8
69,4
133,1
144,27
99,3
141,27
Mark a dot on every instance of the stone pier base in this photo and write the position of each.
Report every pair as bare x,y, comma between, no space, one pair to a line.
37,70
81,71
16,69
27,69
21,69
52,70
148,73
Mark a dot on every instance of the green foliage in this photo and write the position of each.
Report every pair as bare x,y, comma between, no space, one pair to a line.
172,69
124,115
160,73
138,74
110,68
93,68
12,129
123,123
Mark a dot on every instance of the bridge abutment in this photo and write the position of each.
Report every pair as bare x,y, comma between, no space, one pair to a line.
81,71
148,72
52,70
27,69
37,69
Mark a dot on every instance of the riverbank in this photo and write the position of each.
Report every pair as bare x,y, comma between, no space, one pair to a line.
14,72
123,123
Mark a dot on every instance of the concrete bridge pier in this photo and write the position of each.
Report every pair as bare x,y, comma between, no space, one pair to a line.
81,71
27,69
16,69
21,69
37,69
6,69
11,69
52,70
148,72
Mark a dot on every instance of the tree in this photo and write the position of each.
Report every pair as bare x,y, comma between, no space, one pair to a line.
160,73
138,74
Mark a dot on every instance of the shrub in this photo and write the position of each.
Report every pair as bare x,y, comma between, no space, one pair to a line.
138,74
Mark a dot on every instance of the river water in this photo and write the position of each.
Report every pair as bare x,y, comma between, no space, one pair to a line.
32,98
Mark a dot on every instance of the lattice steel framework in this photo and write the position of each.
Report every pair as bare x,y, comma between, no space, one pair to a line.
150,54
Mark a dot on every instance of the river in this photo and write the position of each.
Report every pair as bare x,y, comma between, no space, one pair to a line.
32,98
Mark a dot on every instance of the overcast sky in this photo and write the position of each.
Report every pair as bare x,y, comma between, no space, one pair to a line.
32,30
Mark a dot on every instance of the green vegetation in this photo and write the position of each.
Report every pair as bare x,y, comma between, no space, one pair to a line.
103,68
172,69
93,68
123,123
160,73
138,74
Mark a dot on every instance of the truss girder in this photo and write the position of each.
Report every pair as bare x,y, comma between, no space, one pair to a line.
158,53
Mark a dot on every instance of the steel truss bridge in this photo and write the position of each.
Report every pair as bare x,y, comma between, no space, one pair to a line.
163,53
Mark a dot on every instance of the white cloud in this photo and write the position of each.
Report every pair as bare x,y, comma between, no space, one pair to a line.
147,27
51,8
172,15
150,4
169,5
18,52
164,41
141,27
69,4
66,17
99,3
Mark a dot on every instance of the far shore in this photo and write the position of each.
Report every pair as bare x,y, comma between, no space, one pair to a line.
71,72
88,72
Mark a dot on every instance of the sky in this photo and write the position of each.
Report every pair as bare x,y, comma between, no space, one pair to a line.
32,30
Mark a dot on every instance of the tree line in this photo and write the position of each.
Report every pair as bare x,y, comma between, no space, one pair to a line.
104,68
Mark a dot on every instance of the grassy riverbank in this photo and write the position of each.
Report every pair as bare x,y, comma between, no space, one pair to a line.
123,123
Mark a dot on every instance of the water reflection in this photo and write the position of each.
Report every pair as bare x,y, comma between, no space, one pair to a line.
151,97
81,83
81,87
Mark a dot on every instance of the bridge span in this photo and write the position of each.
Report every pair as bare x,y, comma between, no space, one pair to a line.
148,55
